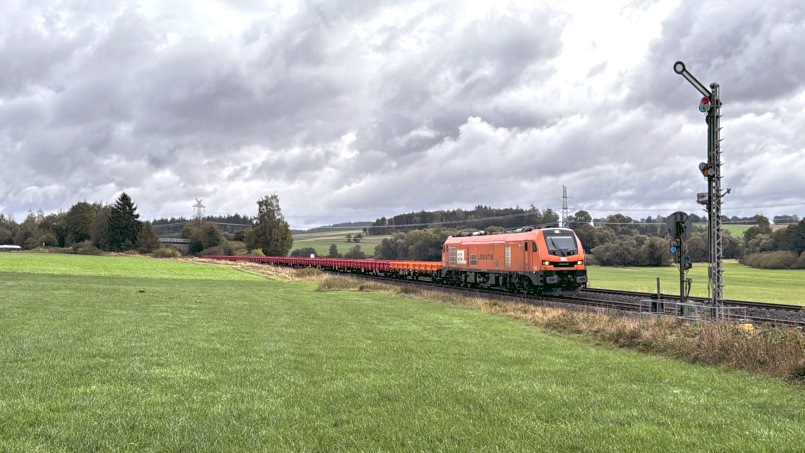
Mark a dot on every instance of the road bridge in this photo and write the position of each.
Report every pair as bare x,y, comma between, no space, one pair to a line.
183,245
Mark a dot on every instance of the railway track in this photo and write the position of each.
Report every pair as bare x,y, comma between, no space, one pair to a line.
755,312
627,302
421,273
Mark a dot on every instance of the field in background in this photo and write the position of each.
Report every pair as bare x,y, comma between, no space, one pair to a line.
321,241
123,353
736,231
740,282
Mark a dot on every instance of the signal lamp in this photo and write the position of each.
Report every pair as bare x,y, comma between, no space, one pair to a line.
704,105
706,170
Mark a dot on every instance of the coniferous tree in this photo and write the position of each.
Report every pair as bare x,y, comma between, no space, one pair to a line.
123,224
211,236
147,240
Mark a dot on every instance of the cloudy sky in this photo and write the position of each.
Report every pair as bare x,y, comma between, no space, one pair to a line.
351,110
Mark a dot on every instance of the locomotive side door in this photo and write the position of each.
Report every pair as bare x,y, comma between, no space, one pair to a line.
526,253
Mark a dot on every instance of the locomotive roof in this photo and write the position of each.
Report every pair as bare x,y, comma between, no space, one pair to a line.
500,237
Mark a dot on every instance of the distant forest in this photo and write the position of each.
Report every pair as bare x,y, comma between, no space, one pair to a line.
227,223
479,218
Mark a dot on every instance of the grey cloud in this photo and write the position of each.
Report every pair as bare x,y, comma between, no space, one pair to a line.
99,98
752,49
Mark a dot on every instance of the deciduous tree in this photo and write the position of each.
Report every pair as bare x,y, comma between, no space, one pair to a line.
355,253
272,233
305,252
78,223
333,252
147,240
211,235
99,229
8,227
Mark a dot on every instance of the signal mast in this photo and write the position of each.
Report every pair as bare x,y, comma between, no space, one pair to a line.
710,105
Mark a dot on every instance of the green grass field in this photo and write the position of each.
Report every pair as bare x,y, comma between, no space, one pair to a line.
740,282
736,231
132,354
321,242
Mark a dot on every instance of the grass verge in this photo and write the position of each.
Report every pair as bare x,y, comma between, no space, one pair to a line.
774,352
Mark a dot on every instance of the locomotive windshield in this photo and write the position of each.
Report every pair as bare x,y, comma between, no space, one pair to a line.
560,242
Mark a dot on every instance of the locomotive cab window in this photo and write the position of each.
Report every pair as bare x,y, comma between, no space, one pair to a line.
473,259
560,242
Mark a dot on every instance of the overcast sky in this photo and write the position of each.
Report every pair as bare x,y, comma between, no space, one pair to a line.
352,110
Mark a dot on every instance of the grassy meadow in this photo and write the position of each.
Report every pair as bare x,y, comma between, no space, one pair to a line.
133,354
740,282
321,242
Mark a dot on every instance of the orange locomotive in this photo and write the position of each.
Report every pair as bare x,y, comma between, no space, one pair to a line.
546,260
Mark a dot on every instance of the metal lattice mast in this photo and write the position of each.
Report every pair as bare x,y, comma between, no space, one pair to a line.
714,180
565,210
199,210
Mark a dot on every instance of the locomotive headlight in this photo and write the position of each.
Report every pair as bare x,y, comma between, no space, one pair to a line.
580,263
546,263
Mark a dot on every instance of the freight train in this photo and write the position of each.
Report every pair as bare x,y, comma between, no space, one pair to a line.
527,260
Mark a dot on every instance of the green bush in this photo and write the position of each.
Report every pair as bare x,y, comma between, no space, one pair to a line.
308,272
217,250
235,248
800,264
304,252
781,259
167,252
85,248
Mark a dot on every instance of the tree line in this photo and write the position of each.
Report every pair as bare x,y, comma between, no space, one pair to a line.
85,226
781,248
479,218
89,228
615,240
618,240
